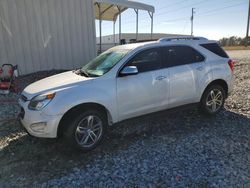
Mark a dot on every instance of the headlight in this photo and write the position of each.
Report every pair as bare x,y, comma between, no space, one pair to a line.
40,101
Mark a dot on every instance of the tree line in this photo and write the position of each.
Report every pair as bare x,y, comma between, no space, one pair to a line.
233,41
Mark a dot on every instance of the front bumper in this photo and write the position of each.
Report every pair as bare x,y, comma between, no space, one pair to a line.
37,123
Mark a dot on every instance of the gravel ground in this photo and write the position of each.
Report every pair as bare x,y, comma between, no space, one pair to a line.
167,149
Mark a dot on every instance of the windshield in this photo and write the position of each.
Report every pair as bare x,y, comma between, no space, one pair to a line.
103,63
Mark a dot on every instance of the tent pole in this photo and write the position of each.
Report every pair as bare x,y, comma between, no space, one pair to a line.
100,25
120,25
152,22
151,14
100,28
137,12
114,32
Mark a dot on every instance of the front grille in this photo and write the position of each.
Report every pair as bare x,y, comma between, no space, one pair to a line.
23,98
22,113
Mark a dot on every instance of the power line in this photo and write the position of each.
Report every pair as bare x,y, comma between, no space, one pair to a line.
171,5
185,26
192,5
128,21
219,9
167,6
186,18
214,10
227,2
219,13
188,6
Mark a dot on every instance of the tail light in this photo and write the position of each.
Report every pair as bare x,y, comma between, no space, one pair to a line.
231,64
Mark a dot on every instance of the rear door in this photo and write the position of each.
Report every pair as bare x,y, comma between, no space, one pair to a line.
186,66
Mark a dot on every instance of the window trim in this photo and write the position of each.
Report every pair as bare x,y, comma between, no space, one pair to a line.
139,51
183,45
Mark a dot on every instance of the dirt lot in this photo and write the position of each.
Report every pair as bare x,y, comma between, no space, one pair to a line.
169,149
228,48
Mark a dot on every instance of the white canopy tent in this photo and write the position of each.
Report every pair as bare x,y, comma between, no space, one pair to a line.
110,10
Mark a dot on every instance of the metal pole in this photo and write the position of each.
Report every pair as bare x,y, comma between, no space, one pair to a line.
120,25
152,25
136,11
114,32
248,19
192,22
151,14
100,27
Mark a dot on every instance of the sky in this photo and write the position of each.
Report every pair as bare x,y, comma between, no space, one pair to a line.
213,19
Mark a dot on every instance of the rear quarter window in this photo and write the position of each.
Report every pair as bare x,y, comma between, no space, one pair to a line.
216,49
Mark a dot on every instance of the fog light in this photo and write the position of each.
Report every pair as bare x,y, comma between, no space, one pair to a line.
38,127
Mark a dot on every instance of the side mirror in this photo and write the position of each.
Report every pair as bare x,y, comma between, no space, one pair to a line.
129,70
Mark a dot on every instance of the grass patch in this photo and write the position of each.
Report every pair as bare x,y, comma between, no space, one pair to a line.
236,48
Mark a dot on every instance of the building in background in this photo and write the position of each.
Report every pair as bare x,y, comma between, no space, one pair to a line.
41,35
110,41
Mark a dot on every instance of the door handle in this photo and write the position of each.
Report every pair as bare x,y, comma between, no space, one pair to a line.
161,78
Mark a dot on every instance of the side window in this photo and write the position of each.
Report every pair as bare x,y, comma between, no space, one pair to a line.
147,60
181,55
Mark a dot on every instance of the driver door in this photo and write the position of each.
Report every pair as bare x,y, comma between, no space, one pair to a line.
146,91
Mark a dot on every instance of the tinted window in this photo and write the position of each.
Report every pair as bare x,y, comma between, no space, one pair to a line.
215,48
147,60
181,55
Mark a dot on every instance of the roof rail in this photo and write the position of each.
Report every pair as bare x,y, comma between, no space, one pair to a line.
167,39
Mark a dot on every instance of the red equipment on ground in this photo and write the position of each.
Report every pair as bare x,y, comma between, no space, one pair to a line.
7,77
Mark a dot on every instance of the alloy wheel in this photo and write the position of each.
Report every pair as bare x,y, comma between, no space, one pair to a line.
214,100
89,131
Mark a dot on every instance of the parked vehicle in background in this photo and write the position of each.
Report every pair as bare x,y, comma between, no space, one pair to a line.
125,82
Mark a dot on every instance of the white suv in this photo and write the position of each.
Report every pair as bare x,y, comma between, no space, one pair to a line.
125,82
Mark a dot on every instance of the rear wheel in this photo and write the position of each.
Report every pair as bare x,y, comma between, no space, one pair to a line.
87,130
213,99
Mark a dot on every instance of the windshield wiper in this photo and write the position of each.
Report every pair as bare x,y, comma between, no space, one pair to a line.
84,73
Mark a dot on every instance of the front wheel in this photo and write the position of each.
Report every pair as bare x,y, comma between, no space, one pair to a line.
87,130
213,99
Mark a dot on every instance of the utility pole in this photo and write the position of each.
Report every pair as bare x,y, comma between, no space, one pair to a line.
192,22
248,19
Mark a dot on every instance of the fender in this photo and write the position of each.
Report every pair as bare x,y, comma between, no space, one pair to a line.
204,81
85,93
217,73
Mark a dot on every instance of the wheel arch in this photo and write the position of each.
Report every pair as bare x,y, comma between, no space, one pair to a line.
219,82
80,107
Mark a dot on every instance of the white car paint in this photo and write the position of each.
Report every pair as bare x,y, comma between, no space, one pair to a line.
129,96
136,99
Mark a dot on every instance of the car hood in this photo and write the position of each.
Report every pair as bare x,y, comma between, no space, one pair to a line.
54,83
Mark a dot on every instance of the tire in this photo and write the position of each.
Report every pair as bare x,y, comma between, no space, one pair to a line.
87,130
213,99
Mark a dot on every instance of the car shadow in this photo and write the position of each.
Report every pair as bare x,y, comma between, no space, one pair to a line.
31,156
